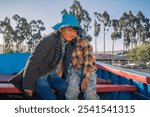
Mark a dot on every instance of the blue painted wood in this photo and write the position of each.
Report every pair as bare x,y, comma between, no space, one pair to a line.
148,90
139,96
99,73
108,96
114,79
124,80
12,62
106,75
124,96
143,89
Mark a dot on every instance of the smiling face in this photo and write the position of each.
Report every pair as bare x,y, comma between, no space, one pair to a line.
68,33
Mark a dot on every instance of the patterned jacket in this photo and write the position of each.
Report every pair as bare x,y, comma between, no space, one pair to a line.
82,57
45,57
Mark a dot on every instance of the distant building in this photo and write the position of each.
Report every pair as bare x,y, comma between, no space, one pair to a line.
112,59
120,58
104,56
2,50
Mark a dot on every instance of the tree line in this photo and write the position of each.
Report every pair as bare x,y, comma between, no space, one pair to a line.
134,30
24,32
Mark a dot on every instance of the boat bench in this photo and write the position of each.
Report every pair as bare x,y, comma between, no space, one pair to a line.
5,86
114,88
8,88
106,86
102,86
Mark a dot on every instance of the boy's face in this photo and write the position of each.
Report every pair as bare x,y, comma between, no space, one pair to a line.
68,33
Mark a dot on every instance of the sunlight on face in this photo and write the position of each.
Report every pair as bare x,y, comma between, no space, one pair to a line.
68,33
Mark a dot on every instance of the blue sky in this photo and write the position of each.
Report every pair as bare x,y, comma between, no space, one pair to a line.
49,12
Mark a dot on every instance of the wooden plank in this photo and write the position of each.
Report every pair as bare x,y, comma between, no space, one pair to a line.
140,78
4,78
8,88
102,86
114,88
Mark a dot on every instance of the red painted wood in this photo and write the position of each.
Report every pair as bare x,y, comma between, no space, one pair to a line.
102,86
125,74
8,88
114,88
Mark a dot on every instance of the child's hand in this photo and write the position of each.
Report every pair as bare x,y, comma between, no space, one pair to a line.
28,92
84,84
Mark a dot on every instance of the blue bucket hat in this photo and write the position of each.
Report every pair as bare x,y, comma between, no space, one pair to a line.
68,20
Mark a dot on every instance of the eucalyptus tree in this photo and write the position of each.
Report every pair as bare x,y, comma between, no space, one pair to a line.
135,29
143,27
123,22
140,18
116,34
127,25
36,27
29,32
82,16
132,29
22,32
7,31
96,33
104,18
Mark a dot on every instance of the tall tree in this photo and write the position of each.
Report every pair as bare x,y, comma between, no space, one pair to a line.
82,16
8,33
127,25
116,34
36,27
104,18
135,29
29,32
96,33
143,27
123,23
22,32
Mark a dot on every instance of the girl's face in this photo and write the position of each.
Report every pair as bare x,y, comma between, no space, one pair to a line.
68,33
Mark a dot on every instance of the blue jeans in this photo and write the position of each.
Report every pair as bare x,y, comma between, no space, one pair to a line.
74,81
51,88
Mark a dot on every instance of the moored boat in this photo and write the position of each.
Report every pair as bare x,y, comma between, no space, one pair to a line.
113,83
